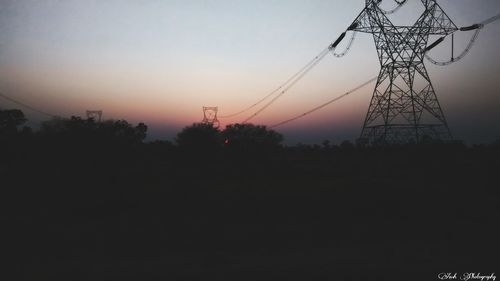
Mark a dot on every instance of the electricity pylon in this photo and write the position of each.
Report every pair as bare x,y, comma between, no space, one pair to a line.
94,114
210,116
404,107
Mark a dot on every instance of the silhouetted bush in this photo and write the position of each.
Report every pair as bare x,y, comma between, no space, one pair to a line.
346,145
78,129
249,136
122,130
10,120
199,136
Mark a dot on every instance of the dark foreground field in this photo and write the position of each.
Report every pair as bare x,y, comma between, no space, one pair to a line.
83,211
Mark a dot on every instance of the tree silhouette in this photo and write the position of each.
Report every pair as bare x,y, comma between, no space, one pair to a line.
346,144
78,129
199,136
122,130
249,136
10,120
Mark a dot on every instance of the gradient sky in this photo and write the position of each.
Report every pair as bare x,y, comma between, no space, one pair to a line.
159,62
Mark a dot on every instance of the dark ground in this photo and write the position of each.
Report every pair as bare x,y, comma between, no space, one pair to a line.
80,211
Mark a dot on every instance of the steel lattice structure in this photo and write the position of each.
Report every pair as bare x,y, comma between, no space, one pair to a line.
210,116
94,114
404,106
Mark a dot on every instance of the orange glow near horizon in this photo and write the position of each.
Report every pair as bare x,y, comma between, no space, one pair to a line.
146,96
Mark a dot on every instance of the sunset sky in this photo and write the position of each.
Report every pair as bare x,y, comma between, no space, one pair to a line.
159,62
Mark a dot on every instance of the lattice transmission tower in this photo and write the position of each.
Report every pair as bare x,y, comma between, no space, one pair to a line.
94,114
404,106
210,116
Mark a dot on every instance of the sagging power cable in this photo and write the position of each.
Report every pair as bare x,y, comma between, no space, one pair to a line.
325,104
459,57
290,85
490,20
34,109
298,73
477,29
330,48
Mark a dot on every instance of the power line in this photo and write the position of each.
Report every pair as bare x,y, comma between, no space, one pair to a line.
297,76
476,27
26,105
490,20
330,48
277,89
459,57
324,104
297,79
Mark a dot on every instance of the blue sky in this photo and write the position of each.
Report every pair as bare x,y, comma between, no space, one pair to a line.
159,62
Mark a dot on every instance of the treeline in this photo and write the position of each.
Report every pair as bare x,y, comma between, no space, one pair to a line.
71,129
88,149
86,200
113,155
196,137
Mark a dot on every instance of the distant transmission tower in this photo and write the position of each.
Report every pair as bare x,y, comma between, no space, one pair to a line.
210,116
404,106
94,114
